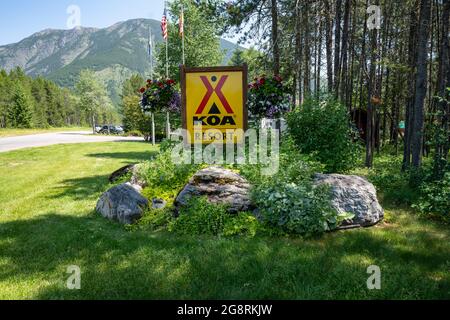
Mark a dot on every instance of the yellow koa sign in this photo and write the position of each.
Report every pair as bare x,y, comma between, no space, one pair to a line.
214,104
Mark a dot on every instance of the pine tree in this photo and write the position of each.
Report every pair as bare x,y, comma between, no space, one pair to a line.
237,59
20,113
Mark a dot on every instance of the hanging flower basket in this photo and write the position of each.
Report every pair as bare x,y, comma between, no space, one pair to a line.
268,98
160,96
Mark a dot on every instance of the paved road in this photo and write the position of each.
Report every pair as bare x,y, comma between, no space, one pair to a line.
47,139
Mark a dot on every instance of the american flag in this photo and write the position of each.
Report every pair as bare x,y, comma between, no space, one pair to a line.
164,25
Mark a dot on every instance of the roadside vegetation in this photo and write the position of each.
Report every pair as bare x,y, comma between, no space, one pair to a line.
47,223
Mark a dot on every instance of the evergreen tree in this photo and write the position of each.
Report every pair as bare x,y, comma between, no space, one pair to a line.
255,60
5,98
237,59
20,113
40,103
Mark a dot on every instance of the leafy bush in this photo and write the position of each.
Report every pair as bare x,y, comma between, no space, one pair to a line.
243,224
395,185
416,188
134,133
435,198
322,128
298,208
154,220
199,217
294,167
165,178
287,201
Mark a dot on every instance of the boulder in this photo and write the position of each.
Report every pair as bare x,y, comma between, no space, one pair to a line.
122,203
158,203
131,168
118,174
136,179
355,195
220,186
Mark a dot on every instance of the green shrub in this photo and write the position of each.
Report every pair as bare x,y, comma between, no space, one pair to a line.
134,133
243,224
294,167
165,178
199,217
287,201
395,185
435,198
298,208
323,128
154,220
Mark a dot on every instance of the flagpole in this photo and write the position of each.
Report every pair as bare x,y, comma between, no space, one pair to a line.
150,51
167,44
167,73
182,35
166,36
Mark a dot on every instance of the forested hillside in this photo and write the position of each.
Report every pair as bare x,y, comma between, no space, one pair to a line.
27,102
114,53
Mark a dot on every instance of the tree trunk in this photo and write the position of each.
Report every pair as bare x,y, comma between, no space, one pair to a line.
371,89
421,83
409,112
443,82
307,53
93,124
329,44
337,46
298,51
275,44
344,59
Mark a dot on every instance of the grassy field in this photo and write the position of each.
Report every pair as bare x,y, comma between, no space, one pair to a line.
23,132
47,223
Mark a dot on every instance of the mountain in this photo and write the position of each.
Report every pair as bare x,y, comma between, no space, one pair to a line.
114,53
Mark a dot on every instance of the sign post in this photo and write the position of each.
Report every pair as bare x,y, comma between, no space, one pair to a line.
214,104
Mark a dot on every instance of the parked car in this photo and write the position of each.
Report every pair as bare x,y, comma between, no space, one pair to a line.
111,130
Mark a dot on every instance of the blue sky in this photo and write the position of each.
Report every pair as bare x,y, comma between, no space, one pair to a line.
20,19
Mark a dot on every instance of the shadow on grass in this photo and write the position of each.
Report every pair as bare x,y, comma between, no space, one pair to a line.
81,188
117,264
130,157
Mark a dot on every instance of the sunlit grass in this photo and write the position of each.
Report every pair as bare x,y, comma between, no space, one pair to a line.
47,222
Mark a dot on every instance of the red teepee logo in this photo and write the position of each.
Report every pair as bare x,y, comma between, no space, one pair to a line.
217,91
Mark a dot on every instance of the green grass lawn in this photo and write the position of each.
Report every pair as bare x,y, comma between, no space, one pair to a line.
23,132
47,223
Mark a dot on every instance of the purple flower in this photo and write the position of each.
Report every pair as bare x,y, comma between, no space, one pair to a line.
175,103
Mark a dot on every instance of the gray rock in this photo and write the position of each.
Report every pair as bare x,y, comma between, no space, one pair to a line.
158,203
220,186
122,203
135,180
118,174
355,195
